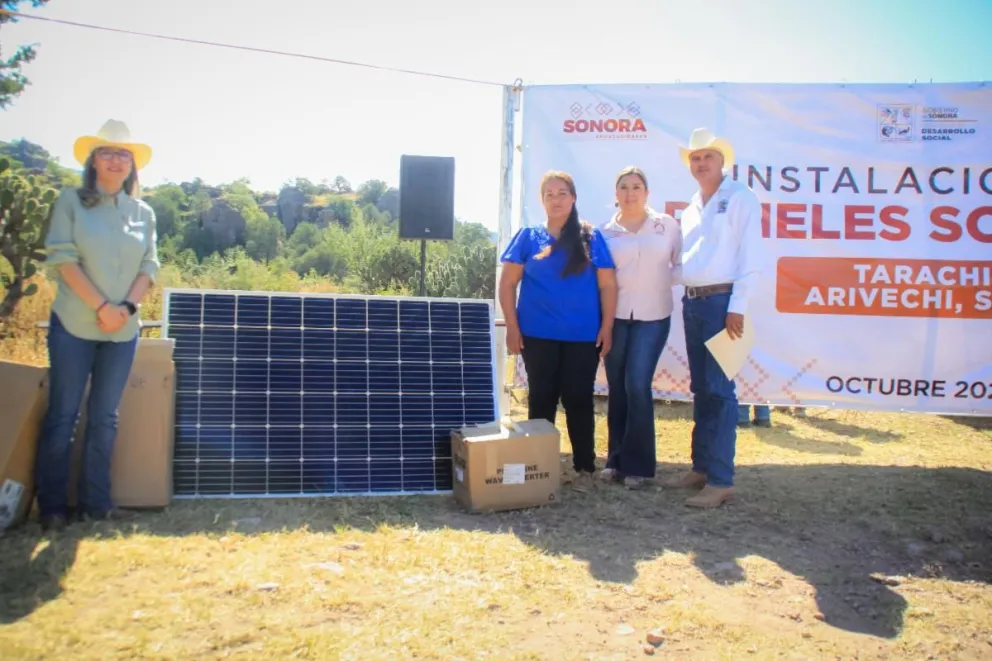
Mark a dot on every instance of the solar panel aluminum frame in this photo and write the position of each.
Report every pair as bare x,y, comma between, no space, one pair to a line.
169,292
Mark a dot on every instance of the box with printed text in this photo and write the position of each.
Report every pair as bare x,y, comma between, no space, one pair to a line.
506,466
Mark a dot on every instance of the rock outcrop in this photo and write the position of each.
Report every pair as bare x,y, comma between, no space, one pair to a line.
290,205
227,226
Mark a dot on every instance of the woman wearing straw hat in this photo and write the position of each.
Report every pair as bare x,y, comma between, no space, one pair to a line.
101,250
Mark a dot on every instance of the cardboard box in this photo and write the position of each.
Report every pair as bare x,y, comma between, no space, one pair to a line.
23,400
505,467
141,473
141,467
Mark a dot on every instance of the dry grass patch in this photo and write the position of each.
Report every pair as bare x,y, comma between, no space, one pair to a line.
854,536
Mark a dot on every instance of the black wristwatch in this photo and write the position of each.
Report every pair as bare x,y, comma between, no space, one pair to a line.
131,307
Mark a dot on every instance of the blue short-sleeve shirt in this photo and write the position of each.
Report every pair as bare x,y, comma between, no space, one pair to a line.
551,306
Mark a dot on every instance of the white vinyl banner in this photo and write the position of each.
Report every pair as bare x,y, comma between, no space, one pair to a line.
877,284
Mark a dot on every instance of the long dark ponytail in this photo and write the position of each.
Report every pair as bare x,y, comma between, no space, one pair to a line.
575,234
574,240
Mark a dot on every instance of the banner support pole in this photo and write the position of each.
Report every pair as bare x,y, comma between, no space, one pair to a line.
511,105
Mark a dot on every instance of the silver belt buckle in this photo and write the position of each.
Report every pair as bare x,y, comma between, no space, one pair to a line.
690,292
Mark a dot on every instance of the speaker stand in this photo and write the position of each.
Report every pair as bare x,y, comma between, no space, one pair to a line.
423,268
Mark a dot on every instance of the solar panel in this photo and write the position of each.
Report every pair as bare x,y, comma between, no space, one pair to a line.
283,394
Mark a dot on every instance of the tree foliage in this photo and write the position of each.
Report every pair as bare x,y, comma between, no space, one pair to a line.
341,185
371,191
12,80
233,236
37,160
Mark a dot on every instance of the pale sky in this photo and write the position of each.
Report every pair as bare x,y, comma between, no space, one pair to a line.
221,114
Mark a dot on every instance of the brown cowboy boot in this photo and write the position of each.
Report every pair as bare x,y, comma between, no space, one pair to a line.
711,496
583,482
687,480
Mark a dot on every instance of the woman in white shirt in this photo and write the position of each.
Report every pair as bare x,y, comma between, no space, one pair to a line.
646,246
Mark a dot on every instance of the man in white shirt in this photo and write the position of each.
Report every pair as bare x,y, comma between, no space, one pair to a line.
721,256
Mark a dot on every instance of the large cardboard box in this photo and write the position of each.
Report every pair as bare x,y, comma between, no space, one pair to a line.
141,467
506,466
141,474
23,400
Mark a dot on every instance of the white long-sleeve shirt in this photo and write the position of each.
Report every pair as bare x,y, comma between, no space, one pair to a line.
721,242
644,262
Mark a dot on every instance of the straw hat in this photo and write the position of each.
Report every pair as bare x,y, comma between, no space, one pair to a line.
113,133
704,139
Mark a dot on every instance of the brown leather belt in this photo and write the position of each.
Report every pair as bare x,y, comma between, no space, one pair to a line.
708,290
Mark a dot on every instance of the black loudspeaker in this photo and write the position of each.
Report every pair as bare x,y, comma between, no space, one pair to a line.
427,197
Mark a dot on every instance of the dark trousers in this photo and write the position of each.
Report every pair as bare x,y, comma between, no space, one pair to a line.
714,396
630,367
73,361
564,371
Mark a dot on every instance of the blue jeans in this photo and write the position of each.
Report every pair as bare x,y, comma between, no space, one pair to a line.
630,366
72,362
714,403
762,413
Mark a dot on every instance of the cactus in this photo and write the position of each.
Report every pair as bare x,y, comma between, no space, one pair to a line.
464,273
24,205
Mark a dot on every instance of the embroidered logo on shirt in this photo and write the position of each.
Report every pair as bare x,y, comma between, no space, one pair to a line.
722,207
659,226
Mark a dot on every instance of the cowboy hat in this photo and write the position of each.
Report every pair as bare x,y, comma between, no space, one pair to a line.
704,139
113,133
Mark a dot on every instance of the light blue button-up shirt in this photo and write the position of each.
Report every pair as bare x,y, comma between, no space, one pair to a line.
112,242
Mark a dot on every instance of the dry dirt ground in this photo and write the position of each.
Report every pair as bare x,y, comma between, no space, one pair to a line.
855,536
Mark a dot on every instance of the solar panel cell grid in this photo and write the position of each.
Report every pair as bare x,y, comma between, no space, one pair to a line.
282,394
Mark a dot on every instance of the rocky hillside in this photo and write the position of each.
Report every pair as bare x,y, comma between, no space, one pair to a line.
327,230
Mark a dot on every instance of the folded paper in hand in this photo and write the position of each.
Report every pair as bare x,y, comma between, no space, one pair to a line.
730,354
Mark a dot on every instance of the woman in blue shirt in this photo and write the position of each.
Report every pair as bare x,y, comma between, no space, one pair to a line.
563,321
101,250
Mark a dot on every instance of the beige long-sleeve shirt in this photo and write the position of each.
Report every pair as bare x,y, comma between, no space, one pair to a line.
644,262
